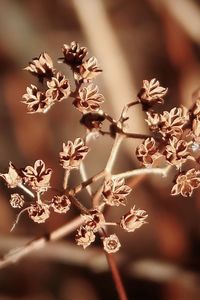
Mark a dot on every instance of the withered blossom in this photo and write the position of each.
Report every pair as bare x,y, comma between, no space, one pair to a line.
89,99
92,121
94,220
172,122
39,213
84,237
37,101
147,152
60,204
41,66
176,152
73,154
88,70
16,200
186,182
153,120
115,192
111,243
12,178
59,88
38,177
151,93
73,54
133,220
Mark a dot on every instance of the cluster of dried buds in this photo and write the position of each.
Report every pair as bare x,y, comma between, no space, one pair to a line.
174,140
175,137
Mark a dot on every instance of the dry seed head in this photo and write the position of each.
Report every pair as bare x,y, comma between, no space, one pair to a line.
133,220
111,243
73,54
60,204
59,88
147,152
12,178
84,237
88,70
16,200
39,213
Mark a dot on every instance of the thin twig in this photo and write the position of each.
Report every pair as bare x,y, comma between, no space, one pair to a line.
119,138
136,135
137,172
66,178
25,189
17,254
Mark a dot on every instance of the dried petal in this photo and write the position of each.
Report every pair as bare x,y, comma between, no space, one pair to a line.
151,93
94,220
42,67
61,204
39,213
133,220
73,54
186,182
153,121
115,192
84,237
59,88
88,70
17,201
38,177
147,152
36,101
12,178
111,243
89,99
176,152
73,154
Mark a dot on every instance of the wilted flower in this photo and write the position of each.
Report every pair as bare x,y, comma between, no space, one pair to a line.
176,152
94,220
73,54
89,99
133,220
111,243
38,177
84,237
147,152
171,123
151,93
59,88
60,204
153,120
115,192
37,101
12,178
17,201
73,154
186,182
88,70
42,67
39,213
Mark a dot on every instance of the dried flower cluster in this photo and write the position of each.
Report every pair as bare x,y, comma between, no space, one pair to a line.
173,140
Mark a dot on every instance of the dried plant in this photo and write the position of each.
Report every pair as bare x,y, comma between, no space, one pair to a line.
173,140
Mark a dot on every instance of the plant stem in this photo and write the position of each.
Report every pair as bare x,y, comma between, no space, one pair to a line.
137,172
119,138
136,135
25,189
65,180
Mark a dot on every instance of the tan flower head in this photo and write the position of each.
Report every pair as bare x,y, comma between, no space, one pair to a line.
12,178
133,220
73,154
115,192
39,213
61,204
73,54
111,243
42,67
88,70
186,182
147,152
17,201
94,220
171,123
59,88
151,93
153,120
84,237
176,152
89,99
36,101
38,177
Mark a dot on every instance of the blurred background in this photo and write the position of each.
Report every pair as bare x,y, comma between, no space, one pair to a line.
132,40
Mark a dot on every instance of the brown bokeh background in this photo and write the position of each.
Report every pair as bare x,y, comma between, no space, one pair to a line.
133,40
